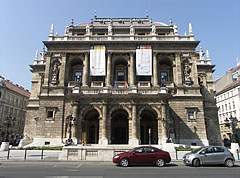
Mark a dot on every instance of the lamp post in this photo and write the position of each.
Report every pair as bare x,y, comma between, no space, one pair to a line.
69,120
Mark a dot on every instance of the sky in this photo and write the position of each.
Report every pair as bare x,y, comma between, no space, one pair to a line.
24,24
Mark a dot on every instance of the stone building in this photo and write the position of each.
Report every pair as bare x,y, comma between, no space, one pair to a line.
228,103
13,103
123,81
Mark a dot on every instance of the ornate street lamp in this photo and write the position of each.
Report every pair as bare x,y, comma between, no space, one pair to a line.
8,122
69,120
233,123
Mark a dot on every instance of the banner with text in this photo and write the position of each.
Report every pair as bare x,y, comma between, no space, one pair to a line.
97,60
144,60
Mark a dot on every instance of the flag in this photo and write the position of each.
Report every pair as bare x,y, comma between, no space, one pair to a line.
115,84
126,84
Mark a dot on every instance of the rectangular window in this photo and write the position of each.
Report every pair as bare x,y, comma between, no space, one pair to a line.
190,115
163,76
50,113
233,105
78,76
120,76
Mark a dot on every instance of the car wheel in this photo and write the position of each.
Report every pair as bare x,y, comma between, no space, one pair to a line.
124,162
229,163
196,162
160,162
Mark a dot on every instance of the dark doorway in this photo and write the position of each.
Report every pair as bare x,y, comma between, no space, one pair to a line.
91,127
119,127
149,127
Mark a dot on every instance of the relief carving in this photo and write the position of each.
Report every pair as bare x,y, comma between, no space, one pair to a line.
55,72
187,70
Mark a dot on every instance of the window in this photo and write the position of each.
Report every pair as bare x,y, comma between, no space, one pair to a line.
226,107
151,150
0,94
50,114
139,150
163,76
78,76
218,149
229,106
120,76
190,115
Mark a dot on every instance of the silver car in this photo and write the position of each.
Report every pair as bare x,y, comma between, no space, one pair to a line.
209,155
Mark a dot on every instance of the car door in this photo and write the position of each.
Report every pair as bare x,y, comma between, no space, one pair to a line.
206,155
150,156
218,155
137,156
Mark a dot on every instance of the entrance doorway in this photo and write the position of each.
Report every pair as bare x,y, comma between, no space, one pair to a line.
149,127
91,127
119,127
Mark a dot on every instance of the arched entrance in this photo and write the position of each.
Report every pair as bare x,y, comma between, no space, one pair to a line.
90,127
119,127
149,121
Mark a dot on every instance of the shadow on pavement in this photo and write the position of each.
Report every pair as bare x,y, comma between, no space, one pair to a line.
167,165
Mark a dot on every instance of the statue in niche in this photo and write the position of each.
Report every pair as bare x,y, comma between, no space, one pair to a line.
55,72
187,73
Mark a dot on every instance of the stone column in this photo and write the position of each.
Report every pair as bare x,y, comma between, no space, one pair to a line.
47,68
85,70
132,70
62,70
164,124
178,70
109,70
75,121
104,125
155,70
194,70
135,140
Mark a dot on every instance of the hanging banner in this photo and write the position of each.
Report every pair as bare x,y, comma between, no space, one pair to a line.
97,60
144,60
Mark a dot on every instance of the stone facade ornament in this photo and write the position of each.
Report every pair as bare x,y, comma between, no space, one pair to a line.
55,72
87,29
109,29
154,29
131,30
187,73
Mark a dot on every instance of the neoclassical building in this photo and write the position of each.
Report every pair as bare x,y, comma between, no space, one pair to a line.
124,81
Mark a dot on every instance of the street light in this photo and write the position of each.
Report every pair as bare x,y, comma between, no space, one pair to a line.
233,123
69,120
8,122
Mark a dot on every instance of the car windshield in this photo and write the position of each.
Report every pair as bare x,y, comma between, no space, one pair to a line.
197,150
129,151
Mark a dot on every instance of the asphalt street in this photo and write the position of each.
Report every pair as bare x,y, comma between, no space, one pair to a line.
11,169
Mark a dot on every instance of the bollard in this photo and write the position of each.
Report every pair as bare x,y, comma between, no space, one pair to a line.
42,155
238,154
176,155
8,154
25,155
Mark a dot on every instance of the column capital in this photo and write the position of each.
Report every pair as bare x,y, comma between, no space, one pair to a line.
74,103
86,53
155,53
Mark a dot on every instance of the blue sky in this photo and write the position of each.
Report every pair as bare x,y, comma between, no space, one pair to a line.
24,24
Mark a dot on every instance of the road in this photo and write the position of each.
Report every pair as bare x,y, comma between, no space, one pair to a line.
10,169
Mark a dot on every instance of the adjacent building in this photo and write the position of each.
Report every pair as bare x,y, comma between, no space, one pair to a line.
122,81
13,103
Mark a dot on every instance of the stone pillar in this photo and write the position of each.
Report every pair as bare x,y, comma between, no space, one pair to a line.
132,70
47,69
178,70
164,124
155,70
194,71
62,70
75,122
104,125
85,70
109,70
135,140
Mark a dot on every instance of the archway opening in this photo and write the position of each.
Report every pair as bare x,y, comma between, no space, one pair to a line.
90,130
119,127
149,127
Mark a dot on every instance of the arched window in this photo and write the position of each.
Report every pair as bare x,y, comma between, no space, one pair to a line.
165,70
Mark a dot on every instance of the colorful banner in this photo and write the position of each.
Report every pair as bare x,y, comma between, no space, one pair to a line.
144,60
97,60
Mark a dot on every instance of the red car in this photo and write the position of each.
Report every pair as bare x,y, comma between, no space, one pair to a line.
143,155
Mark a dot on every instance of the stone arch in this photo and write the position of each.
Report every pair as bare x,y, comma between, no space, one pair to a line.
149,108
148,126
74,64
120,107
120,69
88,108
